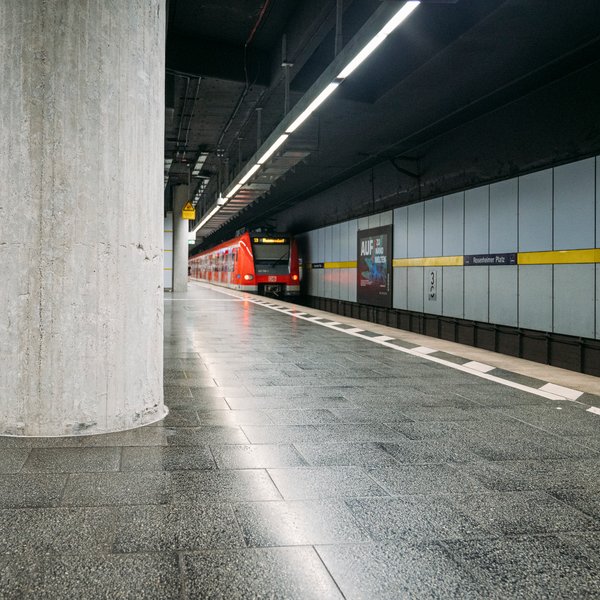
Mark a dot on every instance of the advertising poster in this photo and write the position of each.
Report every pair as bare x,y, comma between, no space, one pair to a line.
374,268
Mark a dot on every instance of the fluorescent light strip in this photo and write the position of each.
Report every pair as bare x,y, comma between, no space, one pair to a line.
249,174
207,218
234,191
265,157
398,18
313,106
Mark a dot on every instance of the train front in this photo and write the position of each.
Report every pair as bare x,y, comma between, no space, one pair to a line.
276,265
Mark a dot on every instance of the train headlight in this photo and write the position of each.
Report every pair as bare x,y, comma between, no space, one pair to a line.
294,277
248,277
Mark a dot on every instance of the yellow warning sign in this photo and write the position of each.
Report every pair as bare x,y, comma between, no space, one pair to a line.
188,212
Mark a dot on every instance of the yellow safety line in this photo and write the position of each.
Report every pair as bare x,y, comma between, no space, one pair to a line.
429,261
559,257
349,264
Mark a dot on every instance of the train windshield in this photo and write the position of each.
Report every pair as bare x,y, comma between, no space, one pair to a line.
271,255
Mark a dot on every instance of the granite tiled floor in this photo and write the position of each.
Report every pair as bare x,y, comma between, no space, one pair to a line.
298,461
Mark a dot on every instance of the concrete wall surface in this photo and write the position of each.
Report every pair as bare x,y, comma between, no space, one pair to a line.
550,221
81,220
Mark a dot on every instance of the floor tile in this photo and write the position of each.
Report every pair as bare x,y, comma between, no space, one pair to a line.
176,527
514,513
31,490
291,573
56,530
389,571
115,489
415,518
530,567
298,523
72,460
167,458
11,460
218,486
143,576
324,482
346,454
209,434
258,456
423,479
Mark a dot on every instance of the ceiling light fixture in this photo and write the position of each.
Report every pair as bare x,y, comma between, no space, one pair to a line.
234,191
310,109
265,157
207,218
249,174
378,38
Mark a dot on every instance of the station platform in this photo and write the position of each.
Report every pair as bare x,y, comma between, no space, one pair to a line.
307,455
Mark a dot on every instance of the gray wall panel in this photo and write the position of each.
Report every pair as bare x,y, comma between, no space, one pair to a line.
477,220
320,245
453,298
327,279
535,297
574,290
321,282
334,275
401,232
363,223
329,235
476,293
415,289
400,289
374,221
432,305
598,302
598,203
535,212
453,228
312,282
503,295
433,227
344,284
574,205
352,243
343,233
352,287
386,218
503,216
415,230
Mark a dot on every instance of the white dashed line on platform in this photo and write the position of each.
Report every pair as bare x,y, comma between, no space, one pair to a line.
568,393
424,350
383,338
594,409
477,366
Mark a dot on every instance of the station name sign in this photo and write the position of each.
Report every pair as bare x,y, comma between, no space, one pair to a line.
509,258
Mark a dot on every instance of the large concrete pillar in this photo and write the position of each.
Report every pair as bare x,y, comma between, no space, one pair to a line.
180,239
81,166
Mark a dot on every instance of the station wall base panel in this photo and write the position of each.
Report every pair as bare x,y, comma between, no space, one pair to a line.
568,352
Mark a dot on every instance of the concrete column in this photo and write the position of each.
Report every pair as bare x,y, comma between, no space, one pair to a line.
81,161
181,229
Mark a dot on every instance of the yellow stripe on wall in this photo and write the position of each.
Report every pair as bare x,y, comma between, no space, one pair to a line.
429,261
349,264
553,257
559,257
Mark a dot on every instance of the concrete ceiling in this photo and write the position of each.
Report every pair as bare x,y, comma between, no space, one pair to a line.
449,64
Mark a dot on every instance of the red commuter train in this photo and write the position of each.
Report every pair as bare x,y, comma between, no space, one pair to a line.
252,262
